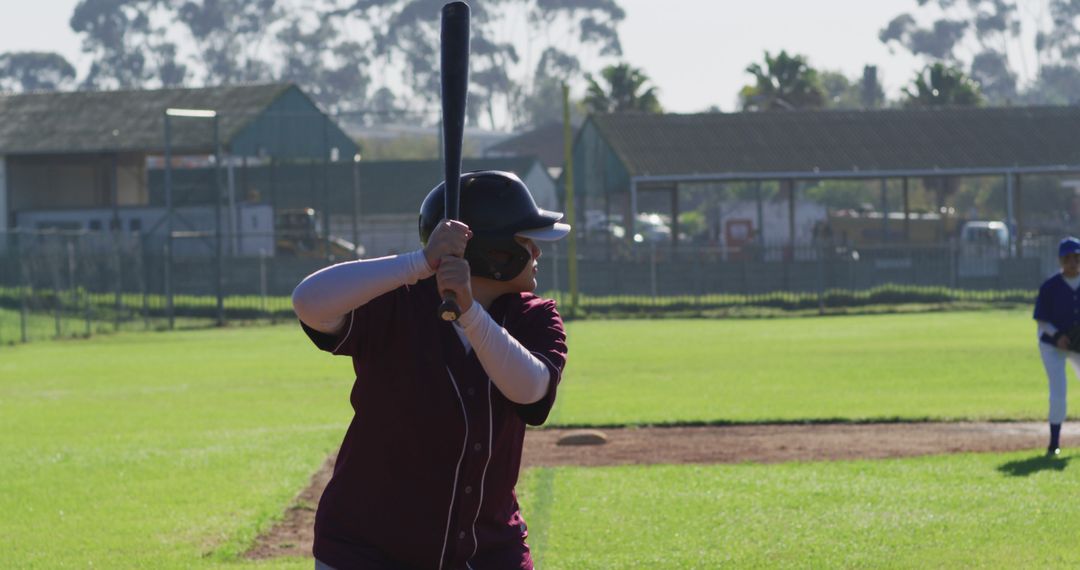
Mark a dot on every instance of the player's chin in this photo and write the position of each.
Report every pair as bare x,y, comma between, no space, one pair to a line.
525,284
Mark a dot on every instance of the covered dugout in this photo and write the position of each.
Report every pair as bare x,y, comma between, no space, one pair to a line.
94,154
620,157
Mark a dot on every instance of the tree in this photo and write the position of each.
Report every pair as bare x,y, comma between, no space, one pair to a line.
127,48
987,37
840,92
939,84
230,36
225,41
339,51
543,103
406,33
623,92
333,71
34,71
785,83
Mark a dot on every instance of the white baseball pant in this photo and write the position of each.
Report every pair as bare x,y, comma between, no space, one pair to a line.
1054,362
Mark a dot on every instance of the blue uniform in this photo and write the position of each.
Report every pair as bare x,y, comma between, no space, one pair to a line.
1059,305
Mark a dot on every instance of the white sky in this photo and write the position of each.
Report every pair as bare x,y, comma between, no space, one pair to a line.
695,51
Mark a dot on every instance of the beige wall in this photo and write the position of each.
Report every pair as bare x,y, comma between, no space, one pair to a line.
75,181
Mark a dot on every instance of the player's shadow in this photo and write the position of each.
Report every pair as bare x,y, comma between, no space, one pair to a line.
1025,467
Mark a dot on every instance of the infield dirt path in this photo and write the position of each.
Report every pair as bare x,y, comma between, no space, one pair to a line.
762,443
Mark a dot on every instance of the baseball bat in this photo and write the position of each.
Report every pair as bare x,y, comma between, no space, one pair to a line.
454,75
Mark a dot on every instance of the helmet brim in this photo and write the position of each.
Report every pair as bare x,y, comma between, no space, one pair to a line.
554,232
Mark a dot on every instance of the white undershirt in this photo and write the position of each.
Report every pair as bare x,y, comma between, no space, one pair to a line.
324,299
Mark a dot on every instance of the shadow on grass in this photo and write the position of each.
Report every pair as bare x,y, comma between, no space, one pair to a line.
1025,467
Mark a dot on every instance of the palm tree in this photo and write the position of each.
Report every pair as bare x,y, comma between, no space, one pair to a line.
939,84
624,91
786,83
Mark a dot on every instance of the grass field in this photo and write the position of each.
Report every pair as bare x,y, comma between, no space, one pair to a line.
173,450
962,511
947,365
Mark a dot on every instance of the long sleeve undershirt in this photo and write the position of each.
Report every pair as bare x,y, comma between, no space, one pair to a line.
325,298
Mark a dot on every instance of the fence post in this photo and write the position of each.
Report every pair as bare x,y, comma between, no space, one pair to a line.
555,266
24,301
169,309
953,278
57,306
821,279
262,281
118,300
140,272
86,309
652,270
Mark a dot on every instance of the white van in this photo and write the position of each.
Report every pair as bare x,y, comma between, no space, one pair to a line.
982,245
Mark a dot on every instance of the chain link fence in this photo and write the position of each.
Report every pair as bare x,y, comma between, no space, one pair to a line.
56,284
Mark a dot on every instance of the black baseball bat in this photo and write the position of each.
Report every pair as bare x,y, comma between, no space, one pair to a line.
454,72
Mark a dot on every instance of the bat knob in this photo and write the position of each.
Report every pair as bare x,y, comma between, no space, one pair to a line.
449,310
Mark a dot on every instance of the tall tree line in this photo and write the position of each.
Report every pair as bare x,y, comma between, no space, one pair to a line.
374,58
1017,51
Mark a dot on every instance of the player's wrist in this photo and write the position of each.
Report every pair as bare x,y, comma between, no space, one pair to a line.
468,311
423,266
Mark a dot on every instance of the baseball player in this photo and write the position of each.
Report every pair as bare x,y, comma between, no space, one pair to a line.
425,475
1057,311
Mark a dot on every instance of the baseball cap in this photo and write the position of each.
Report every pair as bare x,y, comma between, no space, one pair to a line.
1068,245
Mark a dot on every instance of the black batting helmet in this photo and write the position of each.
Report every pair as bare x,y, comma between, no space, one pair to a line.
496,206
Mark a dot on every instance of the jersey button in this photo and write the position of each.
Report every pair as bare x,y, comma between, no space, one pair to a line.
461,535
477,446
468,489
471,391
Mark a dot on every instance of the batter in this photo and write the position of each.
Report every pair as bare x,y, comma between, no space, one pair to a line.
426,473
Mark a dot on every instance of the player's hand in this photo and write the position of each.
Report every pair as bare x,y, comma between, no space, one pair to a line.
448,238
453,275
1063,343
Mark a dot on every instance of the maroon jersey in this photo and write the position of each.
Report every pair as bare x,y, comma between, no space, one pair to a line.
425,475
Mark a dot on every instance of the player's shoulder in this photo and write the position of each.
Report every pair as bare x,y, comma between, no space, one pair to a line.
529,307
1052,281
532,302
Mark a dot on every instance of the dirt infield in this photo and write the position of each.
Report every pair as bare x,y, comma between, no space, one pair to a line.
770,443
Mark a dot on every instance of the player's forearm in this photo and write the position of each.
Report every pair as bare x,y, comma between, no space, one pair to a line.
324,298
519,374
1048,332
1046,328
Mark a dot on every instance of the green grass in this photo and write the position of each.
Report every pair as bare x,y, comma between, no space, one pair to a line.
173,450
978,365
711,304
1014,510
159,450
42,326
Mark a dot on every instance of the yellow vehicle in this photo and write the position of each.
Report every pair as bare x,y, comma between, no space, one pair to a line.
298,232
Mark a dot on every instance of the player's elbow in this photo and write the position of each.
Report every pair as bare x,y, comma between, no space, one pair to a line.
302,301
531,393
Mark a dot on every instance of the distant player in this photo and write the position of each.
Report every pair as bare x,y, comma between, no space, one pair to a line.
426,473
1057,311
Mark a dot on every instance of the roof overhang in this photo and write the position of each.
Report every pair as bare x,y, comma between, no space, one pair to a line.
851,174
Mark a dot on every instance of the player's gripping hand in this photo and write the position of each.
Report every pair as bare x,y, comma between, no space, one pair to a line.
448,238
1063,342
453,275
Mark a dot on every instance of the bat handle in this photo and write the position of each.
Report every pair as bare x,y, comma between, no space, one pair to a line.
449,310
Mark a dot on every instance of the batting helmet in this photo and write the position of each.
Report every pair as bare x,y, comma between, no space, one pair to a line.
496,206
